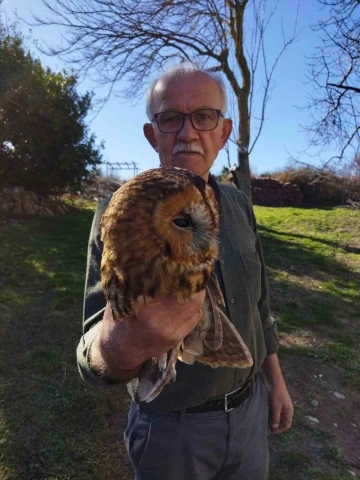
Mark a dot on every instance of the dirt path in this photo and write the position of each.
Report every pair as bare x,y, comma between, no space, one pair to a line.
327,425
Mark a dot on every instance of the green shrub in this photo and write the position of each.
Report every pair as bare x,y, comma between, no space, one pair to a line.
318,188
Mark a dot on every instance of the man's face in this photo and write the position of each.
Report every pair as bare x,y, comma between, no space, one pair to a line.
186,95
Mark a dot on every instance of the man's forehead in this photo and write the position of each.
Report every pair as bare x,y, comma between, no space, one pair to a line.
169,86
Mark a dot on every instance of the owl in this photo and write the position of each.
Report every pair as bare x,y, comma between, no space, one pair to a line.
160,236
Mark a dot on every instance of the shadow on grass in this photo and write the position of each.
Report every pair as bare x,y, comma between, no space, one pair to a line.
335,289
311,290
297,307
298,258
271,232
53,425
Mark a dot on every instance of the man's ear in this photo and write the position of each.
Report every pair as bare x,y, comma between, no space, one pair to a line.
150,135
226,131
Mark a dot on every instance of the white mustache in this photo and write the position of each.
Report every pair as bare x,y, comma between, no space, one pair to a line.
187,147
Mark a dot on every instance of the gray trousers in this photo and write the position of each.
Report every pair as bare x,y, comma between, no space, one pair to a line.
201,446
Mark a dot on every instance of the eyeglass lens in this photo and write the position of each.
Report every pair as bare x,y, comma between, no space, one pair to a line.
205,119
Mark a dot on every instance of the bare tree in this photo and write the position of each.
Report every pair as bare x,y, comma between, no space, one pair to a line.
134,39
335,73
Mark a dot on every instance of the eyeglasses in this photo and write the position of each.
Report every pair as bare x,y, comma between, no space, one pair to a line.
172,122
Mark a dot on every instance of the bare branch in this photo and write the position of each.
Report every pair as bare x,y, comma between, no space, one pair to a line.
132,40
335,73
344,87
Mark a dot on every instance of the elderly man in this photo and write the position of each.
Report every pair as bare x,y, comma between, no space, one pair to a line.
211,423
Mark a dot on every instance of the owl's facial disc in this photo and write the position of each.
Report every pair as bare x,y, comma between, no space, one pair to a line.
187,227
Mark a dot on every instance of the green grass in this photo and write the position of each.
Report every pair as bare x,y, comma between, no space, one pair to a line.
313,261
54,427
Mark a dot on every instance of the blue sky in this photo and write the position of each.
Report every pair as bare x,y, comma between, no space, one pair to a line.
120,122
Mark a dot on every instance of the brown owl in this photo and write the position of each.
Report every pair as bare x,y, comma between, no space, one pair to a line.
160,235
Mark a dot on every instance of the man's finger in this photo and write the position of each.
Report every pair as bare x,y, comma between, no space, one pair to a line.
274,418
199,297
286,420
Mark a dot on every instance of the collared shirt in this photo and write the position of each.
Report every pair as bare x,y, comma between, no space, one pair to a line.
241,273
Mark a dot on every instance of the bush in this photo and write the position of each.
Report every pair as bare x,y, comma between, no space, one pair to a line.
45,144
318,188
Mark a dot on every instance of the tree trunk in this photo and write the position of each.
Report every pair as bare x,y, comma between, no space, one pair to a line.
241,173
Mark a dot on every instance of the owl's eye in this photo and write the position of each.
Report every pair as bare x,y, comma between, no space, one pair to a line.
182,222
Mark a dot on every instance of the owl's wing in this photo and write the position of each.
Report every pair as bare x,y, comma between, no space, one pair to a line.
208,331
233,352
214,332
214,342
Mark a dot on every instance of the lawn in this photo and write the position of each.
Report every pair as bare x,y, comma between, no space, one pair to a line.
54,427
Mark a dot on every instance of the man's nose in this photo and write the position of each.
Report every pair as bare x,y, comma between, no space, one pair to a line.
188,132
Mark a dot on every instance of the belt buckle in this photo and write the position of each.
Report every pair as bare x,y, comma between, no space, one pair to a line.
226,402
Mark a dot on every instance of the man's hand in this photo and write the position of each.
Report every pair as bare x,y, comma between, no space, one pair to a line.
123,344
281,409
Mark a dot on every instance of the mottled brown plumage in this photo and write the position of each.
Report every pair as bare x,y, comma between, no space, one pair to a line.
160,235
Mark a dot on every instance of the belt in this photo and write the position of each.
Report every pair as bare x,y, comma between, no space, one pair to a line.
227,403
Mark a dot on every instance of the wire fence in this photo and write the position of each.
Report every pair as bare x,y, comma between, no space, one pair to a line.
115,169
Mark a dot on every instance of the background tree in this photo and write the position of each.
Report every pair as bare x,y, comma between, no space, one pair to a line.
133,40
335,73
45,145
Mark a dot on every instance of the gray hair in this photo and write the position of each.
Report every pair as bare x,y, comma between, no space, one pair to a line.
185,69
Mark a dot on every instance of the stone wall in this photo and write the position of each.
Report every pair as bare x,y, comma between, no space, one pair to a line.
271,192
16,201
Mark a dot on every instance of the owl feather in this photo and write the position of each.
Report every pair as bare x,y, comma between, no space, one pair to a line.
160,235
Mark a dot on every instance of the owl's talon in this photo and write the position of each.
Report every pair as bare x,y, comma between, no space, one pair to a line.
162,362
